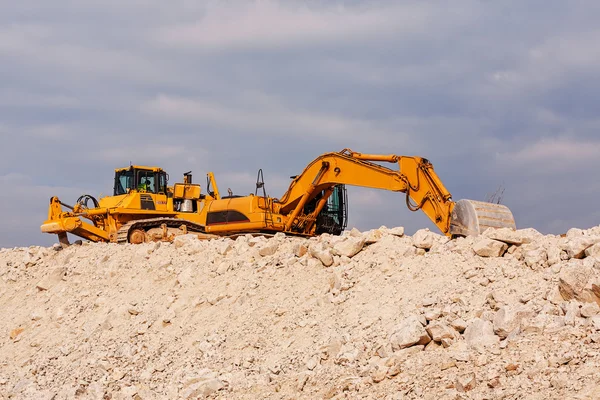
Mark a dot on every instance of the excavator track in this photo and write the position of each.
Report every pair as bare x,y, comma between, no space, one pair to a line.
145,224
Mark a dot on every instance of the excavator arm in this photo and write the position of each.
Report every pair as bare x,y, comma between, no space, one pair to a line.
415,177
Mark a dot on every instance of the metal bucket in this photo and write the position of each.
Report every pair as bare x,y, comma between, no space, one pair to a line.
471,217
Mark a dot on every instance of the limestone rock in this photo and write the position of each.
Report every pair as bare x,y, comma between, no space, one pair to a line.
438,331
535,258
506,235
349,247
322,254
423,239
269,249
459,324
465,383
397,231
578,282
480,332
299,249
593,251
408,333
508,319
373,236
576,246
589,310
489,248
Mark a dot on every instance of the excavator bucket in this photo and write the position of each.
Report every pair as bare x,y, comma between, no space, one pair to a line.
471,218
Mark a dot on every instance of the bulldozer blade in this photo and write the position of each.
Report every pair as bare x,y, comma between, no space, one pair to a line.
63,239
471,218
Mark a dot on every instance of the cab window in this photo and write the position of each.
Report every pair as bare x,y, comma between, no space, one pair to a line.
123,182
146,181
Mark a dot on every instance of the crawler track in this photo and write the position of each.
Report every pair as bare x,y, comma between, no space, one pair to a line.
145,224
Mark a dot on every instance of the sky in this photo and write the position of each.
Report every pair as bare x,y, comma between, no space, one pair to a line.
495,94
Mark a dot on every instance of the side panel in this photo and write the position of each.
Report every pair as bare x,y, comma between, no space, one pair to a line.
146,202
225,217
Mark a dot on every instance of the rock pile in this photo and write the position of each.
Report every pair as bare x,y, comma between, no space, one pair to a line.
379,315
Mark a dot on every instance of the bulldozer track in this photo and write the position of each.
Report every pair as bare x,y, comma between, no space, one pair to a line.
123,232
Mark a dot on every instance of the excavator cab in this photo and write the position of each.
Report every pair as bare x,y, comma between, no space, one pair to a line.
333,218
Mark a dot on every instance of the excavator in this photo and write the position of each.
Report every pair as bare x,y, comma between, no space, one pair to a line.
144,208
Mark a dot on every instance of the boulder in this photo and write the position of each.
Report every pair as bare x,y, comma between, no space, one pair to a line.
535,258
577,245
269,249
480,332
508,319
299,249
589,310
489,248
423,239
593,251
373,236
409,332
438,331
579,282
506,235
349,247
322,254
397,231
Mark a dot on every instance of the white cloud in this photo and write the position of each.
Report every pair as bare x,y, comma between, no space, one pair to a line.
549,154
260,113
265,24
22,218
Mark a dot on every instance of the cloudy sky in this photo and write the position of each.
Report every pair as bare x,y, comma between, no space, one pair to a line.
494,93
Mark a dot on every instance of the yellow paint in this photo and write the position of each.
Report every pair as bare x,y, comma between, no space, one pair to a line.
415,176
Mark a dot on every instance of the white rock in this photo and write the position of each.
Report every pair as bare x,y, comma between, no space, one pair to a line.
596,322
575,283
508,319
465,383
439,331
535,258
408,333
480,332
489,248
373,236
576,246
321,253
423,239
349,247
397,231
593,251
299,249
505,235
459,324
589,310
269,249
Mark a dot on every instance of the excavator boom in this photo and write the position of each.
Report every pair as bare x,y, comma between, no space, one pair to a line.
415,177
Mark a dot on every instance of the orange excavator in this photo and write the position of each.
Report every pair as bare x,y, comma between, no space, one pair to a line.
144,208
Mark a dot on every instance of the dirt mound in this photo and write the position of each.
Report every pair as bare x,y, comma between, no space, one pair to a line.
380,315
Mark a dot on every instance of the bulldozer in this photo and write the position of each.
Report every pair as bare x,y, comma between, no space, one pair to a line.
144,208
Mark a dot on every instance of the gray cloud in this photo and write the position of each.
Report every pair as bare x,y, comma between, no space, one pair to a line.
493,93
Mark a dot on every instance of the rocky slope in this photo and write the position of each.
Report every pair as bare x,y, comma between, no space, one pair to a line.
375,315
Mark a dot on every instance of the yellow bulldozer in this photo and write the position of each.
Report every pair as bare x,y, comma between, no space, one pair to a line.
144,208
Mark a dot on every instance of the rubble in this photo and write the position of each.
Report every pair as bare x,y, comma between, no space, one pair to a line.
379,314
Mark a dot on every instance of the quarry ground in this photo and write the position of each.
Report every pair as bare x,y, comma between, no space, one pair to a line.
368,315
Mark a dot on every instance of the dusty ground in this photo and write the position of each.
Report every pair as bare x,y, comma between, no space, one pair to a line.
375,315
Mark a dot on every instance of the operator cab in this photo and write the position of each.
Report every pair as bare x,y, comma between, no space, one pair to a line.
143,179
